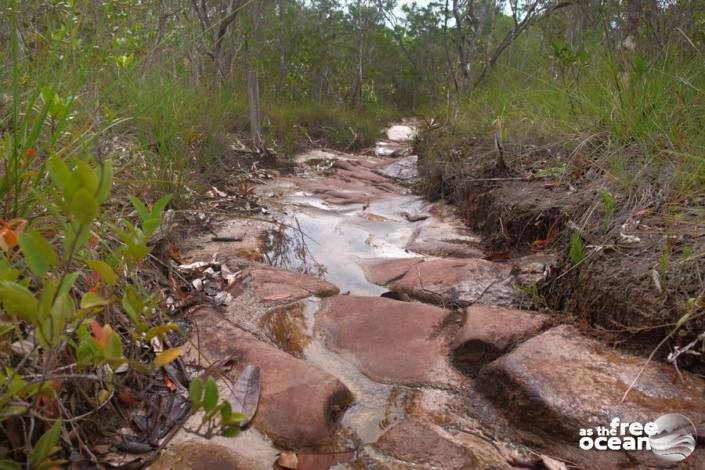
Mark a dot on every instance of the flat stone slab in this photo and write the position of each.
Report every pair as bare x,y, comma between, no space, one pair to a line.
200,453
435,237
450,281
387,340
352,181
560,381
273,285
489,331
300,405
424,446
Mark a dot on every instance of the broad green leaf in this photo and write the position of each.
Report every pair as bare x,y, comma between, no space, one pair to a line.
234,418
231,431
195,392
47,444
167,356
38,252
89,177
17,300
59,172
84,206
91,299
114,349
210,396
104,270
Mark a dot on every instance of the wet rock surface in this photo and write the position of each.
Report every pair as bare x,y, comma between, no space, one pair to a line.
424,444
490,331
435,237
320,398
204,454
448,281
384,381
561,381
274,285
407,344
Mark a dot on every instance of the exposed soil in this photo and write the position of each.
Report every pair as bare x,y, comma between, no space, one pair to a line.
638,276
390,334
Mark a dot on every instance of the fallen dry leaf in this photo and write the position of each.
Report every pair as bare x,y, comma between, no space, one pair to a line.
552,464
288,460
244,396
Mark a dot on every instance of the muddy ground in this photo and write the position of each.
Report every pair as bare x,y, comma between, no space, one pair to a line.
395,332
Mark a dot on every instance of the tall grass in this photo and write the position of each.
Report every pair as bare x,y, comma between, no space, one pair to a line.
646,113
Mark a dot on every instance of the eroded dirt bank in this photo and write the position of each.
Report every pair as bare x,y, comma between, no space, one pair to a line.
388,335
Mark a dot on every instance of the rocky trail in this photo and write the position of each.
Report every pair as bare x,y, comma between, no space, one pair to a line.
385,339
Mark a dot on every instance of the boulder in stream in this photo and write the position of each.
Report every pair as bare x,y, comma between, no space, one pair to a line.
300,405
561,381
489,331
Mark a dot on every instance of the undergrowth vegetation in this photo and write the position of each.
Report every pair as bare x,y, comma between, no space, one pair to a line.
101,133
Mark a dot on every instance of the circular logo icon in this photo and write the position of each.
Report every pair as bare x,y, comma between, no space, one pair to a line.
674,439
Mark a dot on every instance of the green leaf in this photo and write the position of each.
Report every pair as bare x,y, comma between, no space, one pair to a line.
38,252
210,397
89,178
18,301
234,418
92,299
577,249
106,182
104,270
84,206
114,349
59,172
160,205
6,328
47,444
9,465
231,431
195,392
140,207
133,303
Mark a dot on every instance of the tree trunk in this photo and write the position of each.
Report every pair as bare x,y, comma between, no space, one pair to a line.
282,49
253,96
